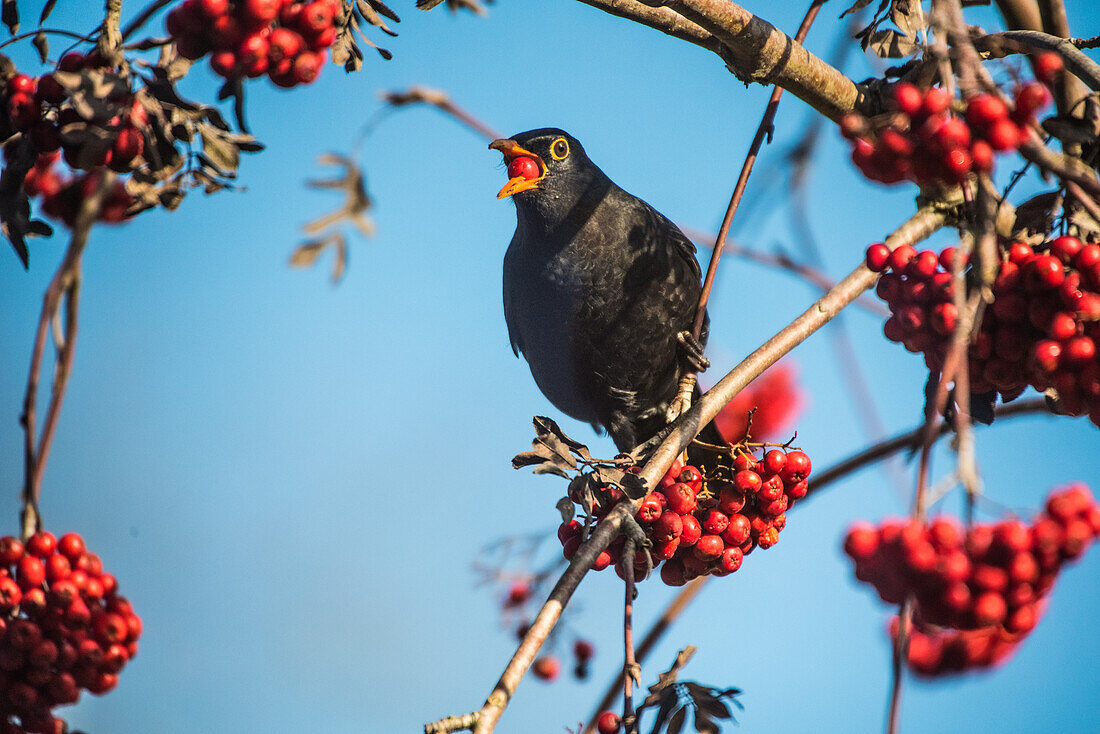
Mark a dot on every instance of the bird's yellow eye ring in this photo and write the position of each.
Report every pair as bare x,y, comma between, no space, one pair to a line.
559,149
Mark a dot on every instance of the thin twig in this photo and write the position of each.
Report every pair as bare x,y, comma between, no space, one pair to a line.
907,442
668,616
629,663
783,261
1077,62
763,131
65,284
51,32
143,17
899,653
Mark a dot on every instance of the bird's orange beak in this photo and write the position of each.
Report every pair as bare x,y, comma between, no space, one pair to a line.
511,150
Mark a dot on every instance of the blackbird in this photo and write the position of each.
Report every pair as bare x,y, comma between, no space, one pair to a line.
600,289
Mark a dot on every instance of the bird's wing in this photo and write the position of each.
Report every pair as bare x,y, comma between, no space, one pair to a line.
669,233
510,279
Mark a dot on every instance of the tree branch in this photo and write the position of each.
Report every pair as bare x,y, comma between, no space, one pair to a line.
753,49
64,284
1077,61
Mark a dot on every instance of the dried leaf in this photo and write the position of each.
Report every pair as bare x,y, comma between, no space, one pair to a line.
384,9
9,14
856,6
891,44
704,724
908,16
546,427
676,721
46,10
42,46
305,254
565,507
1070,130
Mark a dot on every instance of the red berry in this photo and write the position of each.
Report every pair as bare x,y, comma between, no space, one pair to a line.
42,544
936,100
668,527
681,498
583,650
608,722
731,559
1047,66
692,530
21,84
307,66
1065,248
213,8
797,468
708,547
1031,98
877,256
523,167
901,256
907,98
30,572
990,609
1003,135
259,12
649,510
984,109
547,668
714,522
252,55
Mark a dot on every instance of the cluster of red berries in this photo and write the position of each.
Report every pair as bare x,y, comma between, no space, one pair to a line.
988,576
62,194
286,39
935,651
705,526
63,628
1041,330
39,108
921,141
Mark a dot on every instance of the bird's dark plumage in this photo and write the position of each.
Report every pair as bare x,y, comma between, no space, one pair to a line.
597,285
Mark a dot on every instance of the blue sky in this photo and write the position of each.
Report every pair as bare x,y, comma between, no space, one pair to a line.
292,480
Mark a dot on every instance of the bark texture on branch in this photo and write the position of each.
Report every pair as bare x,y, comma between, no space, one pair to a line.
753,49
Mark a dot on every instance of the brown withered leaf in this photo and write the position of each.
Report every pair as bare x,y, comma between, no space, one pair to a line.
566,508
454,5
9,14
1070,130
15,208
891,44
42,46
96,94
308,252
908,16
674,699
373,15
552,452
860,5
1036,215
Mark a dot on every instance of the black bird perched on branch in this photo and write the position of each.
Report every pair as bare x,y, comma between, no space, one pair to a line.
600,289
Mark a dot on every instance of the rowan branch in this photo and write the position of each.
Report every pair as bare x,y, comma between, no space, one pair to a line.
997,45
65,284
753,49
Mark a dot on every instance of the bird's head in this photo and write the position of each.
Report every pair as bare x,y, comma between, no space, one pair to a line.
546,160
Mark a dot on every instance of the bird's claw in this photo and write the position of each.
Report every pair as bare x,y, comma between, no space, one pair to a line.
692,351
633,531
